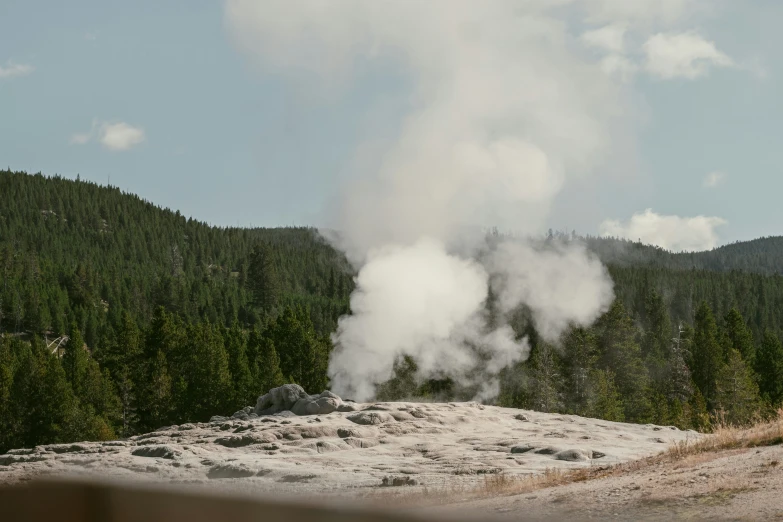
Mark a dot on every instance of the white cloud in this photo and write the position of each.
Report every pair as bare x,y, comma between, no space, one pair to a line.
14,70
113,136
670,232
608,38
684,55
121,136
713,179
619,66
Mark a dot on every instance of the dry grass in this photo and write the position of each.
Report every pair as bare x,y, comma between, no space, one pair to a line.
685,454
724,436
492,485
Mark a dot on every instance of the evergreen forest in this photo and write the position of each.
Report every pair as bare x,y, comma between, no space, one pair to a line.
118,317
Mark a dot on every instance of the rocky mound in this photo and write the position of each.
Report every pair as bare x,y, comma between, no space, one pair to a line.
291,440
292,399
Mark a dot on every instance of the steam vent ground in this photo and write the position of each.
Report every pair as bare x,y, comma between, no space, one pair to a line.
351,450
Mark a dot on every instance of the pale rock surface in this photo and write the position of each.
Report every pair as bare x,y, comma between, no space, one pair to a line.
293,442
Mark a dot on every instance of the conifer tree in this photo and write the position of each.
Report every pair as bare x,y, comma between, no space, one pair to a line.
6,385
769,368
241,376
98,392
707,353
545,385
678,387
158,393
657,327
736,393
123,359
44,405
262,277
697,412
290,341
580,354
737,336
268,373
208,376
74,360
605,402
620,353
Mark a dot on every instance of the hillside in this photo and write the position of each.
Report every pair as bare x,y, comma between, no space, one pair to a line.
119,317
758,256
76,251
72,250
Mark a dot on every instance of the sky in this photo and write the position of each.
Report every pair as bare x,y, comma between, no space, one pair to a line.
202,106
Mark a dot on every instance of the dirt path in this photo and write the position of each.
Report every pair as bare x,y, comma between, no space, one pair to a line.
744,484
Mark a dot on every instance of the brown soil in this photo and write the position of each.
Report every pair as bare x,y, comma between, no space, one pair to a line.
732,484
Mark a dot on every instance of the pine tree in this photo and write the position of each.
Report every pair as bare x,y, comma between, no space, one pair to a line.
268,373
290,341
736,393
697,412
546,382
657,327
262,277
158,393
620,353
737,336
98,392
580,354
6,386
43,404
680,382
241,376
331,287
605,402
303,356
123,359
75,360
769,368
208,376
707,354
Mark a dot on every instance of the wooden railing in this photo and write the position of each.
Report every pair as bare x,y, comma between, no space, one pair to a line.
66,500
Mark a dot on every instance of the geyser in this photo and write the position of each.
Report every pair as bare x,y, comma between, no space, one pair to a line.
506,108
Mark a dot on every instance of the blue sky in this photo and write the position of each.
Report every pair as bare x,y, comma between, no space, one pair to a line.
229,139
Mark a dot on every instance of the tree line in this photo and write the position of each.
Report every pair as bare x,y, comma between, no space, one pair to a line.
135,380
117,317
619,369
75,251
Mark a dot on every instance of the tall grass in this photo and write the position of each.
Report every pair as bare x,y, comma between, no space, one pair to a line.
726,436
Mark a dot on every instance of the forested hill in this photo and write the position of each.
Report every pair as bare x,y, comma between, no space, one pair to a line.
76,251
759,256
118,317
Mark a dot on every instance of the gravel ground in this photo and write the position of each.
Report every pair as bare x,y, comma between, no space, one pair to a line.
742,484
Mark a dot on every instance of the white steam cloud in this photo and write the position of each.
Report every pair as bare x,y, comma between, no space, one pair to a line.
507,108
675,233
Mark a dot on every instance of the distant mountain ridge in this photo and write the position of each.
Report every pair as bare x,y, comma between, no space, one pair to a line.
760,256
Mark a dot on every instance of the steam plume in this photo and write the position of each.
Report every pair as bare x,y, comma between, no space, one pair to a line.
507,108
